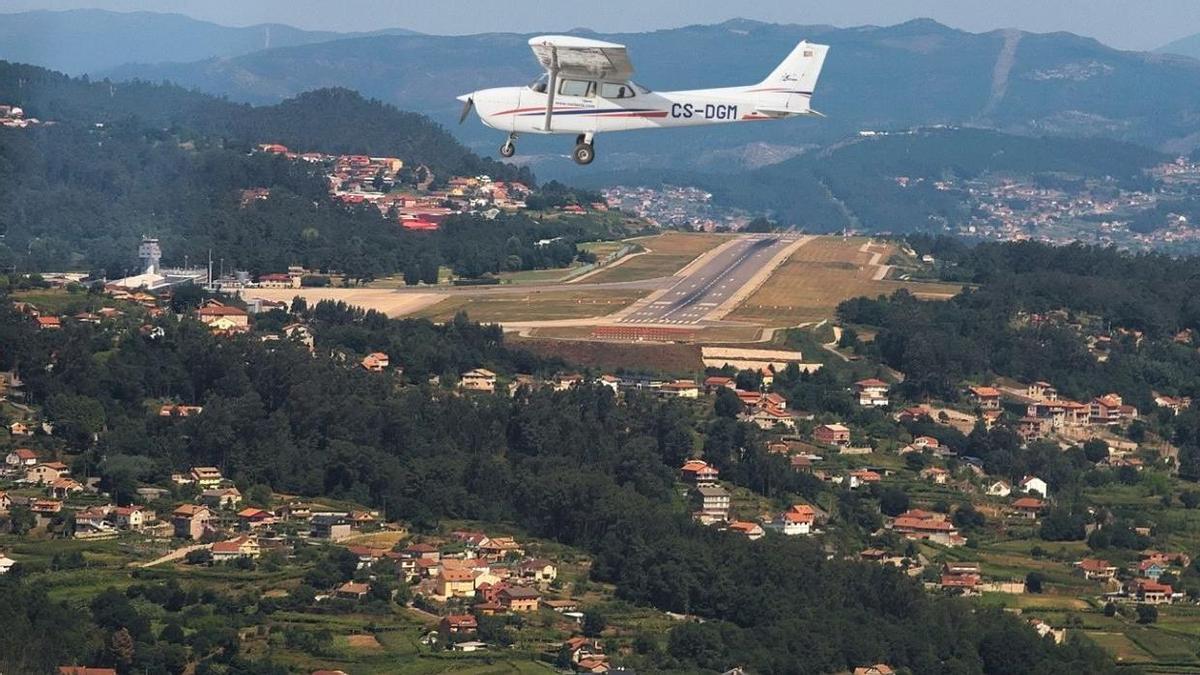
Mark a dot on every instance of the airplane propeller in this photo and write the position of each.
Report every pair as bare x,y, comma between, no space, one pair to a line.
467,105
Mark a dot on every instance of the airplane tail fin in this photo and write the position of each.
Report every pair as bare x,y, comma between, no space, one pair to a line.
798,73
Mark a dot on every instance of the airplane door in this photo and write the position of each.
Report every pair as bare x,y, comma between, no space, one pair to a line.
617,97
575,106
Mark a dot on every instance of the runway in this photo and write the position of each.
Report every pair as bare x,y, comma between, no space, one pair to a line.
699,293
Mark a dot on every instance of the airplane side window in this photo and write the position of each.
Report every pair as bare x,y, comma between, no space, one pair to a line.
611,90
581,88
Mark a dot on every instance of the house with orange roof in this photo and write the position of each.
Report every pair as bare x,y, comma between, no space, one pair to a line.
928,526
455,583
191,521
352,590
960,584
250,518
987,398
747,529
1152,592
48,322
47,472
375,362
239,547
699,473
21,459
832,434
1111,409
62,488
1029,507
133,517
1096,569
457,624
799,519
225,317
715,383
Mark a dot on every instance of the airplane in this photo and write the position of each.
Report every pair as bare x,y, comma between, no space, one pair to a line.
587,89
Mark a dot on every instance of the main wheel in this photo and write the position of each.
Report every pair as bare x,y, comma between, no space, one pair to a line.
584,153
508,149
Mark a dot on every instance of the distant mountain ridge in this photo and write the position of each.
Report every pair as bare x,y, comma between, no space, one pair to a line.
1187,46
912,74
93,40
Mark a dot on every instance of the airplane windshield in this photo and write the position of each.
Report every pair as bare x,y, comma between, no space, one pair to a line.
640,88
539,85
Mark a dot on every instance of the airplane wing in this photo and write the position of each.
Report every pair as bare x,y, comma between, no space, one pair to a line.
581,57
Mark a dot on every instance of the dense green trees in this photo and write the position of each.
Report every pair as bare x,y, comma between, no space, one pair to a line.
575,466
156,160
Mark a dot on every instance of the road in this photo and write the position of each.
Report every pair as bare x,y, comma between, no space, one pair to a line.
710,284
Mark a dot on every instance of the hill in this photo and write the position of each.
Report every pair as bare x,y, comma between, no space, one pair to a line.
331,120
123,161
912,74
854,183
1187,46
92,40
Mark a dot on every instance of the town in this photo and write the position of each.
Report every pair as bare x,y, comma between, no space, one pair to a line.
462,586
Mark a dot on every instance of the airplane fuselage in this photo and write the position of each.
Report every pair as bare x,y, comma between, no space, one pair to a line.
522,110
586,91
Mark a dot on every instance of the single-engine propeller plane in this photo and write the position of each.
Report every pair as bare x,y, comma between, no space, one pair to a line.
587,89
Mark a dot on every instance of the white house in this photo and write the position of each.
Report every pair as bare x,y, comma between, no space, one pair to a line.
798,520
999,489
1033,484
6,563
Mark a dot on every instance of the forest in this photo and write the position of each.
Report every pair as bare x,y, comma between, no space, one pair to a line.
577,466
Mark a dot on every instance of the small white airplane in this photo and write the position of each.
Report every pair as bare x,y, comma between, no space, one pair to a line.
586,90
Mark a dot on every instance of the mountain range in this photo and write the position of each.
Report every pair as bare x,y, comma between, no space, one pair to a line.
918,73
1187,46
915,73
93,40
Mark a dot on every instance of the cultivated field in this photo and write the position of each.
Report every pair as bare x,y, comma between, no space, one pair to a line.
823,273
681,359
532,306
666,254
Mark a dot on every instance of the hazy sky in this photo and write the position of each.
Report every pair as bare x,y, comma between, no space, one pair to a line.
1129,24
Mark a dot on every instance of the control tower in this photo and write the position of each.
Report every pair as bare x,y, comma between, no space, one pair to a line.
150,254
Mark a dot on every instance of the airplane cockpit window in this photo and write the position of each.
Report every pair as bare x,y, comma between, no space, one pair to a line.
581,88
616,90
541,84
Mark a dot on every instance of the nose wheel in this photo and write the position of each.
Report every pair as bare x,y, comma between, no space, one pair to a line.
510,146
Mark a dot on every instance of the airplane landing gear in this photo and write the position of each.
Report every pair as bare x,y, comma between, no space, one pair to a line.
510,146
584,152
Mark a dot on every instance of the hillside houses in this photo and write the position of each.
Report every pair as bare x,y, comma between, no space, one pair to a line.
711,504
871,393
919,525
832,434
699,473
985,398
799,519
